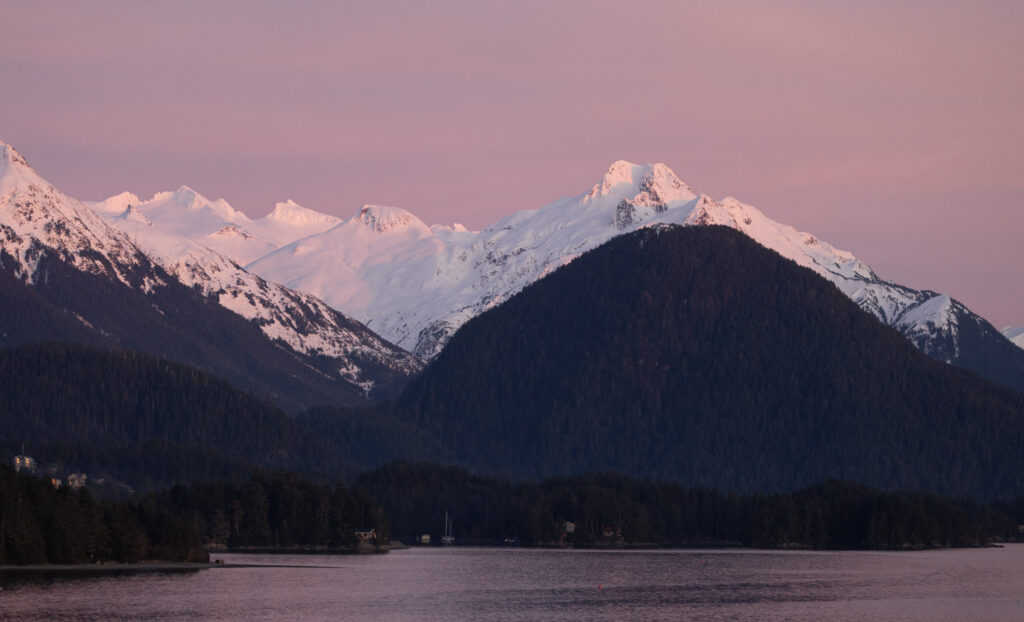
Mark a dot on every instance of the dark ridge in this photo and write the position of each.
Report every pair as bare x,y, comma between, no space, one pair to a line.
695,355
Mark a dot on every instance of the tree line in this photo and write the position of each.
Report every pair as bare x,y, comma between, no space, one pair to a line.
613,509
275,510
279,510
41,524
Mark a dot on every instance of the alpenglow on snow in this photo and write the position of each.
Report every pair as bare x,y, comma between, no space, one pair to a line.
415,284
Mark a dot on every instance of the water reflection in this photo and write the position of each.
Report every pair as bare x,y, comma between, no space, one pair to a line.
516,584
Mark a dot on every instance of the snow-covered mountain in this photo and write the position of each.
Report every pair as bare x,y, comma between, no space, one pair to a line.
301,321
416,285
36,218
1014,334
215,224
145,247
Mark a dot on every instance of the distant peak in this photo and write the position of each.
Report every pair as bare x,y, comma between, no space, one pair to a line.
288,206
621,170
126,197
383,219
116,205
640,183
454,228
290,212
186,196
619,173
10,159
191,200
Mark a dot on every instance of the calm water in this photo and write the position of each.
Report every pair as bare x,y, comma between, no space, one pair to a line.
513,584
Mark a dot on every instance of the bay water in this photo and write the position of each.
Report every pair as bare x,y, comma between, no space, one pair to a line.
529,584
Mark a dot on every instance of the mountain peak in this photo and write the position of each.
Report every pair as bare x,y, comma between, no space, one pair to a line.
126,197
191,200
187,196
640,184
384,219
11,160
116,205
290,212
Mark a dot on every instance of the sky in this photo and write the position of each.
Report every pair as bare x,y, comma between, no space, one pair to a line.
893,130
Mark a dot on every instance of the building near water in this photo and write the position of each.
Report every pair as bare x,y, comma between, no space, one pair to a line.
25,463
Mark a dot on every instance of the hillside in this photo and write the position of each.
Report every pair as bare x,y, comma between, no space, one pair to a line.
697,356
145,421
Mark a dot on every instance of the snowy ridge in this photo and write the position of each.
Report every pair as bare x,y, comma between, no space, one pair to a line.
417,290
415,285
36,218
217,225
291,214
304,323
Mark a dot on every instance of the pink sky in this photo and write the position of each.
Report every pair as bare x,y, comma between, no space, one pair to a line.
893,130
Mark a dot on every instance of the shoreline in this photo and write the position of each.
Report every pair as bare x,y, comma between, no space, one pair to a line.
113,567
161,566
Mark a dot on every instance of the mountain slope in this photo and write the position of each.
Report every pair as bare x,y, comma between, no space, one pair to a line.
145,421
36,219
63,262
695,355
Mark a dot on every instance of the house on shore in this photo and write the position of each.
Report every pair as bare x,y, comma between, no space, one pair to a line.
25,463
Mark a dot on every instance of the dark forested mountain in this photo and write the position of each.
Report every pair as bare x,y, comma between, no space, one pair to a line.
146,421
696,355
978,347
372,436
